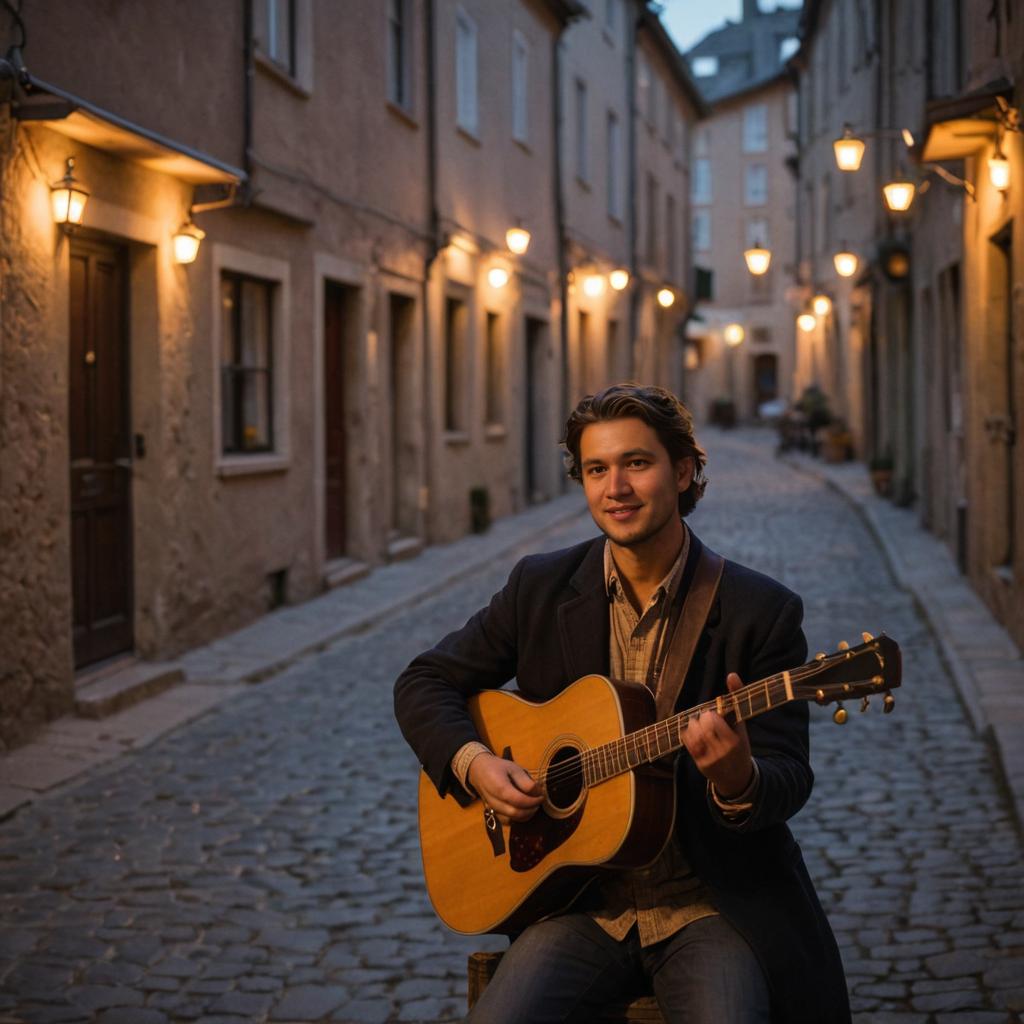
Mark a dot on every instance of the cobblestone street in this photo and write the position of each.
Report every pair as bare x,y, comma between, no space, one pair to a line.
261,864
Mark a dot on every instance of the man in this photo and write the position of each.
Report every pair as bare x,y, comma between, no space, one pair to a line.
725,923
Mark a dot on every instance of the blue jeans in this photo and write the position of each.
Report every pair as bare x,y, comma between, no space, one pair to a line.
568,969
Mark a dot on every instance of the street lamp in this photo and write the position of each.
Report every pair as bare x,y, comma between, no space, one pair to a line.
497,277
806,322
999,169
666,297
899,195
849,150
619,279
846,263
186,242
68,199
733,334
758,258
518,240
593,285
821,304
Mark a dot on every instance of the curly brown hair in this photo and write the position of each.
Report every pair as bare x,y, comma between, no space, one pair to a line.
656,407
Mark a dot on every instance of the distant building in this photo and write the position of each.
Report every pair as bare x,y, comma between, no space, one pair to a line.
743,195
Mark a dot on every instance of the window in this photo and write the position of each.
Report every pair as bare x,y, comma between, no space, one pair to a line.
280,33
652,219
467,114
761,335
701,143
756,185
704,67
611,17
614,198
455,356
582,164
757,233
399,53
701,230
495,403
520,69
787,47
701,184
643,83
670,238
246,364
755,128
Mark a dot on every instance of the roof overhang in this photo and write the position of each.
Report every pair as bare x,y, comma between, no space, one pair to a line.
957,128
84,122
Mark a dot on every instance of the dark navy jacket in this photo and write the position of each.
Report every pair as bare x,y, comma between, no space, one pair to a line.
548,626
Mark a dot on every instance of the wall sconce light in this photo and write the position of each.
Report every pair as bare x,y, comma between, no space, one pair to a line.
821,304
186,242
734,334
691,358
849,150
619,279
593,285
666,297
758,258
999,168
497,277
806,322
899,195
68,199
518,240
846,263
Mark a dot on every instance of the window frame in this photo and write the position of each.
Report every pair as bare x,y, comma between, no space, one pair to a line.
399,69
749,196
755,135
467,73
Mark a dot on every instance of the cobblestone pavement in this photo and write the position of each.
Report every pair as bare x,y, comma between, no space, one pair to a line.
261,864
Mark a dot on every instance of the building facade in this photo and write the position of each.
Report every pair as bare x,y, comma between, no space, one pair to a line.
356,361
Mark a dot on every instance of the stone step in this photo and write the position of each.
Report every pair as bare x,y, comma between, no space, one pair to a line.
104,692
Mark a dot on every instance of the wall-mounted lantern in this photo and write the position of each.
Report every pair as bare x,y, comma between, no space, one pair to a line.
846,263
518,240
619,279
849,150
733,334
821,304
899,195
999,168
186,242
497,277
666,298
593,285
806,322
68,199
758,258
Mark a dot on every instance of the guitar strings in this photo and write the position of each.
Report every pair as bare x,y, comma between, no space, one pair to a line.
610,755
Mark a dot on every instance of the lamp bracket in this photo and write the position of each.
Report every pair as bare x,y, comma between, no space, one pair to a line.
213,197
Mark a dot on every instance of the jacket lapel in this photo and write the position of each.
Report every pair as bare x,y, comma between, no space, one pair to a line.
583,625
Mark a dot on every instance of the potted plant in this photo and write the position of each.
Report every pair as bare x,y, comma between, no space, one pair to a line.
838,442
880,468
814,405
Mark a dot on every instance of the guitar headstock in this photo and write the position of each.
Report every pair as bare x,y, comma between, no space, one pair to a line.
872,667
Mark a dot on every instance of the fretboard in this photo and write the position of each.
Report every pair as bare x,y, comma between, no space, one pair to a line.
656,741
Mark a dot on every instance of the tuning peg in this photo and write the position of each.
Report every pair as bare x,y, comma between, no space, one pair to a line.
820,656
842,646
819,696
864,704
866,637
839,715
889,703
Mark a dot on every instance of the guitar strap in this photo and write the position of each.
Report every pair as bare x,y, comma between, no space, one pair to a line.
696,605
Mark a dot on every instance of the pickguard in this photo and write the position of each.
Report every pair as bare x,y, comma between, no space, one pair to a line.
531,841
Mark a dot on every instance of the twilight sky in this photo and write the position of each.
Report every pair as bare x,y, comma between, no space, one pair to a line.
688,21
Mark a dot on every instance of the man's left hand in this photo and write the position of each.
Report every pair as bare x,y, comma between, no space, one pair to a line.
721,751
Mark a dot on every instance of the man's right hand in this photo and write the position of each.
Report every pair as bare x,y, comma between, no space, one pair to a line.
505,787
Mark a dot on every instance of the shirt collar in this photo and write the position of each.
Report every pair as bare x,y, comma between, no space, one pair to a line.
669,585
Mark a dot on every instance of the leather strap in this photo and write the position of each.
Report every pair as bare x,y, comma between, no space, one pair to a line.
692,616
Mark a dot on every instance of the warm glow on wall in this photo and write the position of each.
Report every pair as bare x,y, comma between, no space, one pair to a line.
68,198
822,305
593,285
518,240
899,195
497,277
666,297
734,334
846,263
806,322
619,279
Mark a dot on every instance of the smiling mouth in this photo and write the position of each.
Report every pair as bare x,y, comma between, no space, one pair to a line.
622,512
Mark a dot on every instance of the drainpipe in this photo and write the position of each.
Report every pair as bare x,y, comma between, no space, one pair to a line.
433,249
560,228
635,294
247,98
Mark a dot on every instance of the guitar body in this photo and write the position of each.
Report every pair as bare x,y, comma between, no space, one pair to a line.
485,877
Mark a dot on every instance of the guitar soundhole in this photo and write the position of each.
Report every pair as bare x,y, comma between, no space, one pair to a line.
565,778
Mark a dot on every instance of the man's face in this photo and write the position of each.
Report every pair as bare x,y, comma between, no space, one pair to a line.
631,484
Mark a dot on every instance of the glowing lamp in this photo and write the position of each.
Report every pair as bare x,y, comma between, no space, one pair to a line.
849,151
68,199
899,195
593,285
692,357
733,334
806,322
619,279
758,259
518,240
186,242
846,263
497,277
666,297
822,305
999,170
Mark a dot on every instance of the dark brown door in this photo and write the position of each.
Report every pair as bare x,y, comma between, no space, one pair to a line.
334,411
99,424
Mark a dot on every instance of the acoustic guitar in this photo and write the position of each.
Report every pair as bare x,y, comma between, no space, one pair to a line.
594,749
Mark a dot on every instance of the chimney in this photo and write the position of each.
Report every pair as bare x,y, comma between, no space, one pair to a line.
750,10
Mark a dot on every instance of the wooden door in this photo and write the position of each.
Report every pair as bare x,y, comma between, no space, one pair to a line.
334,426
99,426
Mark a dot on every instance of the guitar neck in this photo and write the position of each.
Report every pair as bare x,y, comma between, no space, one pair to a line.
656,741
